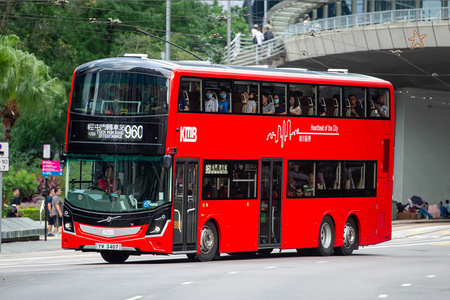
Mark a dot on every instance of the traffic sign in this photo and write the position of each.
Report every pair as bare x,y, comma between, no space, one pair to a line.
4,150
4,164
47,151
51,167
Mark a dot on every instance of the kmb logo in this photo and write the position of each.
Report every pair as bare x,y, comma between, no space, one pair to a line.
188,134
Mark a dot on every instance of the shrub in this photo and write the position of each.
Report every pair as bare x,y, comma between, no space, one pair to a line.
22,179
52,182
32,213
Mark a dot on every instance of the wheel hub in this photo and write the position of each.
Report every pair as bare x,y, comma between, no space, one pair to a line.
349,235
325,235
207,240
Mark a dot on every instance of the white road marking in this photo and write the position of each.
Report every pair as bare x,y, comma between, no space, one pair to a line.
406,284
135,298
188,282
322,262
234,272
271,267
431,276
382,296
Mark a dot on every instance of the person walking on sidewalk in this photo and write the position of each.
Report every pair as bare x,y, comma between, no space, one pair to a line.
57,210
48,211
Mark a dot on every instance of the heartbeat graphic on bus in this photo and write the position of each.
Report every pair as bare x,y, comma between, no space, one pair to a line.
285,131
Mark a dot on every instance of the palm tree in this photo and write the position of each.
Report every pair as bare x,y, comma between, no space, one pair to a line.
25,85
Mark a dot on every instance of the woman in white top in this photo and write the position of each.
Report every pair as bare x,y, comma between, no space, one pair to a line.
211,104
294,106
251,104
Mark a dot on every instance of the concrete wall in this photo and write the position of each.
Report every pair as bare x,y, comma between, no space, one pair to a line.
366,38
422,144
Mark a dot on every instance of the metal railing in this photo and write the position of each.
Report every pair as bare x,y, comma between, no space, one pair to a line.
243,52
380,17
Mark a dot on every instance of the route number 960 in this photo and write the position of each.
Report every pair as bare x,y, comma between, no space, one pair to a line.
134,131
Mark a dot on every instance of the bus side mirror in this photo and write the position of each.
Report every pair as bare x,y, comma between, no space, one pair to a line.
62,162
167,161
63,157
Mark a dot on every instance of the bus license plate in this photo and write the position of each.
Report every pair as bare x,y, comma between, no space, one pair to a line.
99,246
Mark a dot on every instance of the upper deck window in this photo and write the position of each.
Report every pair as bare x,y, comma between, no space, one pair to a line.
119,93
238,96
379,103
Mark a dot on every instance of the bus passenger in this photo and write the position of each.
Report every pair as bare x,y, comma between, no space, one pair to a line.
356,109
279,109
321,110
111,107
380,108
267,108
224,102
245,96
299,191
182,103
211,104
294,106
251,104
309,188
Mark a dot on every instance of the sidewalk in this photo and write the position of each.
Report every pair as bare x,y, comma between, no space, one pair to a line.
394,222
53,243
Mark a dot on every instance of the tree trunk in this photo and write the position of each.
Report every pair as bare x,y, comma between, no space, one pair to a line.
10,113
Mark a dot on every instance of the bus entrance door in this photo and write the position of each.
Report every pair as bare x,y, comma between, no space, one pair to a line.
270,203
185,206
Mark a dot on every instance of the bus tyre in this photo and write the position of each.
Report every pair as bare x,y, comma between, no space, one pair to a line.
350,238
114,257
326,237
209,242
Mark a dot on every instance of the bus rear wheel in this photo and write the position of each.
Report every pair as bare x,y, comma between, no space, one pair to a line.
114,257
209,242
350,238
326,237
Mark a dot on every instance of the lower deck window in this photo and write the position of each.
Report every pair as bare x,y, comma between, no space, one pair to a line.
225,179
331,179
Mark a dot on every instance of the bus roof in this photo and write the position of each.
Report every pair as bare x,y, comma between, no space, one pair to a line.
164,68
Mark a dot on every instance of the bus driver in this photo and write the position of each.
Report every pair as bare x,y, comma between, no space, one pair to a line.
109,183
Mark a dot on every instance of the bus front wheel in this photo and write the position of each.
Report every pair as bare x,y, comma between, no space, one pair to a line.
114,257
326,237
209,242
350,238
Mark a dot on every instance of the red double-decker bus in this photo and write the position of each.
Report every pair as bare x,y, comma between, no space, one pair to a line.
199,159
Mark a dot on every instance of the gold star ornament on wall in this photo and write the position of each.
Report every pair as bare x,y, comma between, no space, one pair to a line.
417,39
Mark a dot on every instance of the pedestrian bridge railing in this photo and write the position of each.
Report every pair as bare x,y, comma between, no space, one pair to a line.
243,52
380,17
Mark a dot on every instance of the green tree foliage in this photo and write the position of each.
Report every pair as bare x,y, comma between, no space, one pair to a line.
65,36
22,179
25,85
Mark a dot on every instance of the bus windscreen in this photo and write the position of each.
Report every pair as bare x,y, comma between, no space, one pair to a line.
117,184
119,93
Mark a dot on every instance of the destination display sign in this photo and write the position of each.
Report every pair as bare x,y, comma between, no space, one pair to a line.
216,169
101,131
111,136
